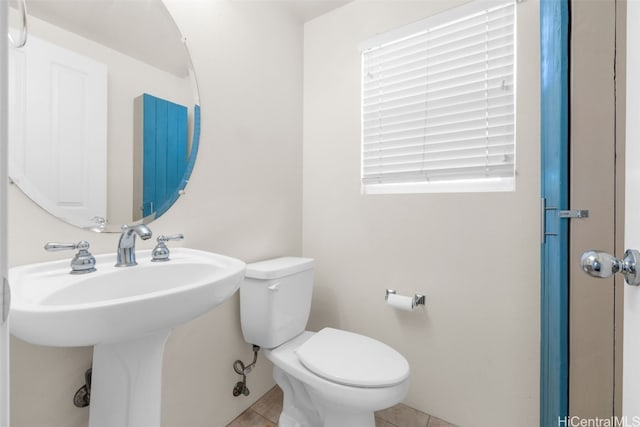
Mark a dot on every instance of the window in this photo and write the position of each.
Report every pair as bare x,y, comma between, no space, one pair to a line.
438,103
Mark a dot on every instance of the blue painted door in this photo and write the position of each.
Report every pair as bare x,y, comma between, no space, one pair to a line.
164,152
554,358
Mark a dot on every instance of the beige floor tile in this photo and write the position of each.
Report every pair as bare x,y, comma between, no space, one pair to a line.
266,411
402,415
250,418
437,422
382,423
270,405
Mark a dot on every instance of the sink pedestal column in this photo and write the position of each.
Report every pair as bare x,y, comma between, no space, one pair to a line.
126,384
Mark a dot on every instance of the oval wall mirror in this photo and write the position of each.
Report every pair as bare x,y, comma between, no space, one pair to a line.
104,111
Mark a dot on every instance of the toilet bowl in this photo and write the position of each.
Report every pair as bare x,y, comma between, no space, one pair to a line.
332,378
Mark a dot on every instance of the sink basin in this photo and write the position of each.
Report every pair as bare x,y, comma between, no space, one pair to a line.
127,314
52,307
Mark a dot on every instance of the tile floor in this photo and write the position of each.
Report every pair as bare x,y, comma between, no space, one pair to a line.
265,413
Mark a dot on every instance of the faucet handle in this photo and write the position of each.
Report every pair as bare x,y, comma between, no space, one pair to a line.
165,238
55,246
161,251
82,262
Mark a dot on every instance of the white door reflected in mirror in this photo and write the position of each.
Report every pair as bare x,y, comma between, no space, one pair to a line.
58,137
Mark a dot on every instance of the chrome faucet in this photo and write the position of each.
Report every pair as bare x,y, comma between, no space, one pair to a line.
127,244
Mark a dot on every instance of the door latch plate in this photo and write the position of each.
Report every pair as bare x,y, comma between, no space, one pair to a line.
573,213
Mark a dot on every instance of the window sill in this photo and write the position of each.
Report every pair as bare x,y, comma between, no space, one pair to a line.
490,185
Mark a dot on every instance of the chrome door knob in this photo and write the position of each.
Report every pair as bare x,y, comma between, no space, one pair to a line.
601,264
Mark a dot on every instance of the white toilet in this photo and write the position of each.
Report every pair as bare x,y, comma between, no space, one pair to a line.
331,378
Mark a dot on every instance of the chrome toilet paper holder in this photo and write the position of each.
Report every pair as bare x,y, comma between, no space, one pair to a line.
418,299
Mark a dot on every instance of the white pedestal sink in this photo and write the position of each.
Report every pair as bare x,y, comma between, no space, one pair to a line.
125,312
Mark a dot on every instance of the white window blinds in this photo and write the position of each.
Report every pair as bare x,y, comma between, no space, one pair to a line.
438,103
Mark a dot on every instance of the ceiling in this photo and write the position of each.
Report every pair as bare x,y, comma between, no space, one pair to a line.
307,10
140,29
144,29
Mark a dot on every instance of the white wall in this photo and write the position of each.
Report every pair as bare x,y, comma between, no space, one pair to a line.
474,351
244,200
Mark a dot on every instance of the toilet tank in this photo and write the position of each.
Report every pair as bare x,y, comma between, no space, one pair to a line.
275,300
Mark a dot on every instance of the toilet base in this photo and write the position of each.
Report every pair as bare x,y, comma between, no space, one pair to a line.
298,410
303,407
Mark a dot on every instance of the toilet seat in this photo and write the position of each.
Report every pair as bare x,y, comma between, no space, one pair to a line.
351,359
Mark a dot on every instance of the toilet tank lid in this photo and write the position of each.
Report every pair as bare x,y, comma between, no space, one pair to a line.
278,267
